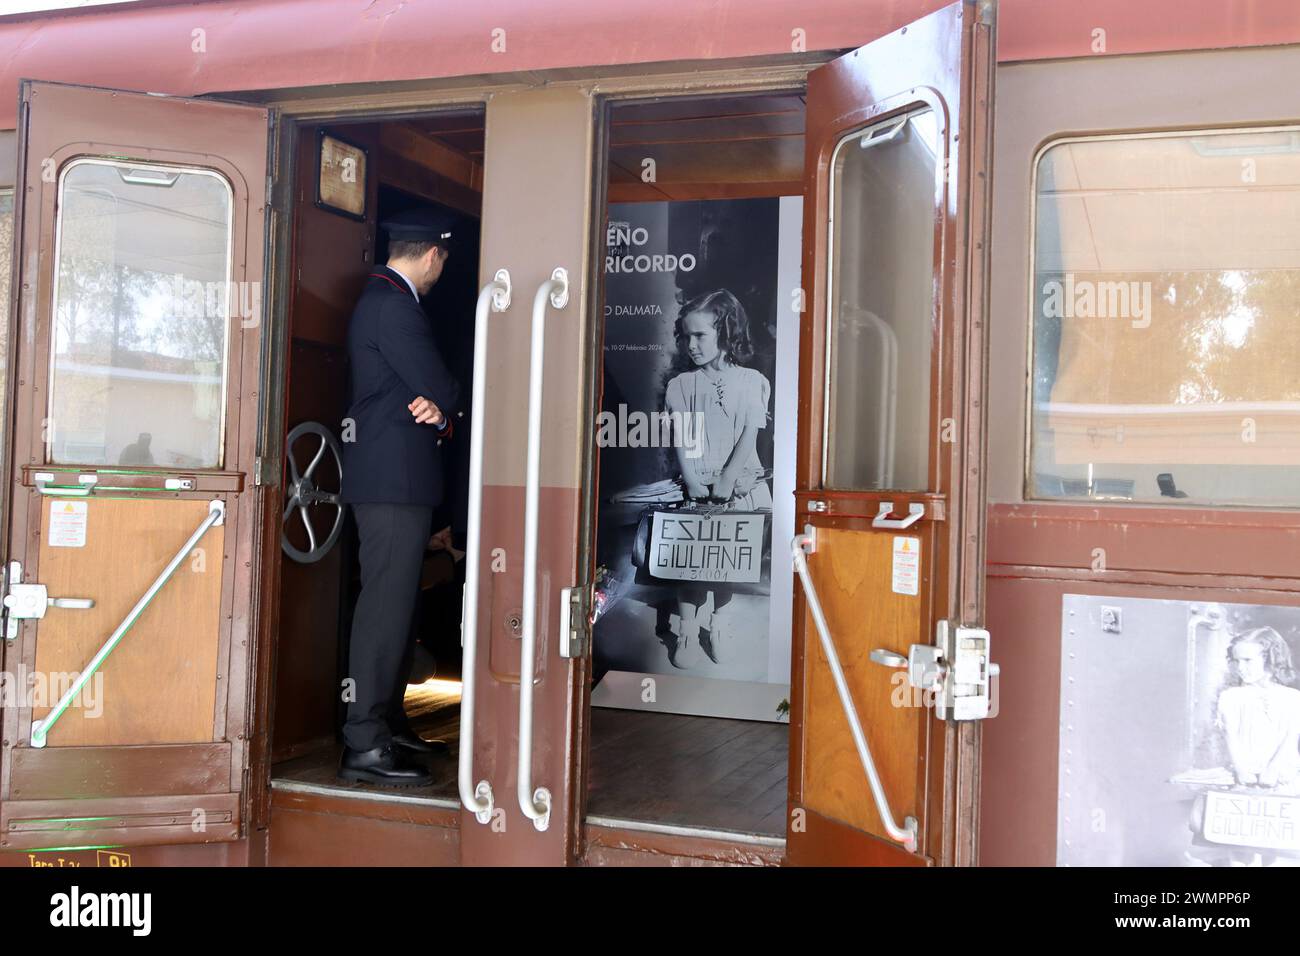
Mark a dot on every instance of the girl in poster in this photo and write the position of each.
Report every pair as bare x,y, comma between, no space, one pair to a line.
727,401
1260,715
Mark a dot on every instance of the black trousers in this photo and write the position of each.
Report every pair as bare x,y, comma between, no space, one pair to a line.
392,538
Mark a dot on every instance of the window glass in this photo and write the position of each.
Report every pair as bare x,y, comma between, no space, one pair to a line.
1166,360
141,300
880,292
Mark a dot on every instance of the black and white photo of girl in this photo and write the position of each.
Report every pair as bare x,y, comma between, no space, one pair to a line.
1200,767
693,348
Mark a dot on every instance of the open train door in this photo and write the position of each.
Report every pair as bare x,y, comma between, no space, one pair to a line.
891,668
132,434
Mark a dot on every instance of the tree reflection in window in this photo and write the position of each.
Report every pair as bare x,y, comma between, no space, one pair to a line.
1166,281
142,301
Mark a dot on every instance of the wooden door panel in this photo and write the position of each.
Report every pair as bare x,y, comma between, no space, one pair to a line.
159,685
141,821
852,571
121,772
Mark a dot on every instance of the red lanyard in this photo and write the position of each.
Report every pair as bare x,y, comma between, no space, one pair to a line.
380,275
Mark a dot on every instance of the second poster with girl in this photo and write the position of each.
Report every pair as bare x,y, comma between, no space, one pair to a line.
688,437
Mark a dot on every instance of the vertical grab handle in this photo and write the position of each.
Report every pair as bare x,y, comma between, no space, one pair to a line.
477,798
906,834
535,803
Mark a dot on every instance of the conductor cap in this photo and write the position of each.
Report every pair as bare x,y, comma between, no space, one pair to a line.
419,225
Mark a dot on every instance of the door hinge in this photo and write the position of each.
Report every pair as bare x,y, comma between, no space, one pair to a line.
955,669
257,471
574,603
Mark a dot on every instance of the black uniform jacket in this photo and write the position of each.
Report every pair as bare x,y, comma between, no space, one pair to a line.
393,358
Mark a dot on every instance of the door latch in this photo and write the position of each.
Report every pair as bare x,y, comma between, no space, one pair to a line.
28,602
955,668
574,602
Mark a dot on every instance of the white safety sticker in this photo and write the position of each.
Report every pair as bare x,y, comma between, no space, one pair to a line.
68,523
907,566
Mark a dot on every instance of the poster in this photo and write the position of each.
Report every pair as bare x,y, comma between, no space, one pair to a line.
696,439
1180,734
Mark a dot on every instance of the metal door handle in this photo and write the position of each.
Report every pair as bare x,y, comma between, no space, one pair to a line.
535,803
476,798
882,134
915,512
888,658
26,602
925,669
955,669
73,604
87,483
44,482
29,602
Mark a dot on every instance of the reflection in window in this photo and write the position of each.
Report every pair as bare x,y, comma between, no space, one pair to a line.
1166,362
881,294
141,303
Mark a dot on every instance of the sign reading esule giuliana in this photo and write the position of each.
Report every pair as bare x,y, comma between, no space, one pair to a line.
721,547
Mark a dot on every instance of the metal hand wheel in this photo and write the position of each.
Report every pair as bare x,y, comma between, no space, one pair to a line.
308,499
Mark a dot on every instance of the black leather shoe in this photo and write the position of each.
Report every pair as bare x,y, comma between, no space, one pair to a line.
383,765
411,741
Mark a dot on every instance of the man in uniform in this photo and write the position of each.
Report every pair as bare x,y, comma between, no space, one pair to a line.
401,401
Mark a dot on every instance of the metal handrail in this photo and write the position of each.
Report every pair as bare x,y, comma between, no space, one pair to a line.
476,798
535,803
41,729
906,834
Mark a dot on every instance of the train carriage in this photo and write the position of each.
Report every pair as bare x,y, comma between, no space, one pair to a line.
1011,583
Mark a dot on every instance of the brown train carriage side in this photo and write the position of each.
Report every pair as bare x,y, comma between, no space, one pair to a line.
1082,488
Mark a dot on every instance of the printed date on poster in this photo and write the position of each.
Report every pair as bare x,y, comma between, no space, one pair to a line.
723,547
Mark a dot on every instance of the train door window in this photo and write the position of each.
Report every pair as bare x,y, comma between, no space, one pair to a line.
881,305
140,305
1165,362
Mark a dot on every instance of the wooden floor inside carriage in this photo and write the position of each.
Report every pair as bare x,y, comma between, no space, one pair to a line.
649,773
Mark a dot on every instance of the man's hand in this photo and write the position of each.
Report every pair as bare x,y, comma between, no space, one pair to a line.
425,412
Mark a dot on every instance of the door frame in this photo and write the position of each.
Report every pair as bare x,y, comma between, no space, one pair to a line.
272,432
677,839
298,109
